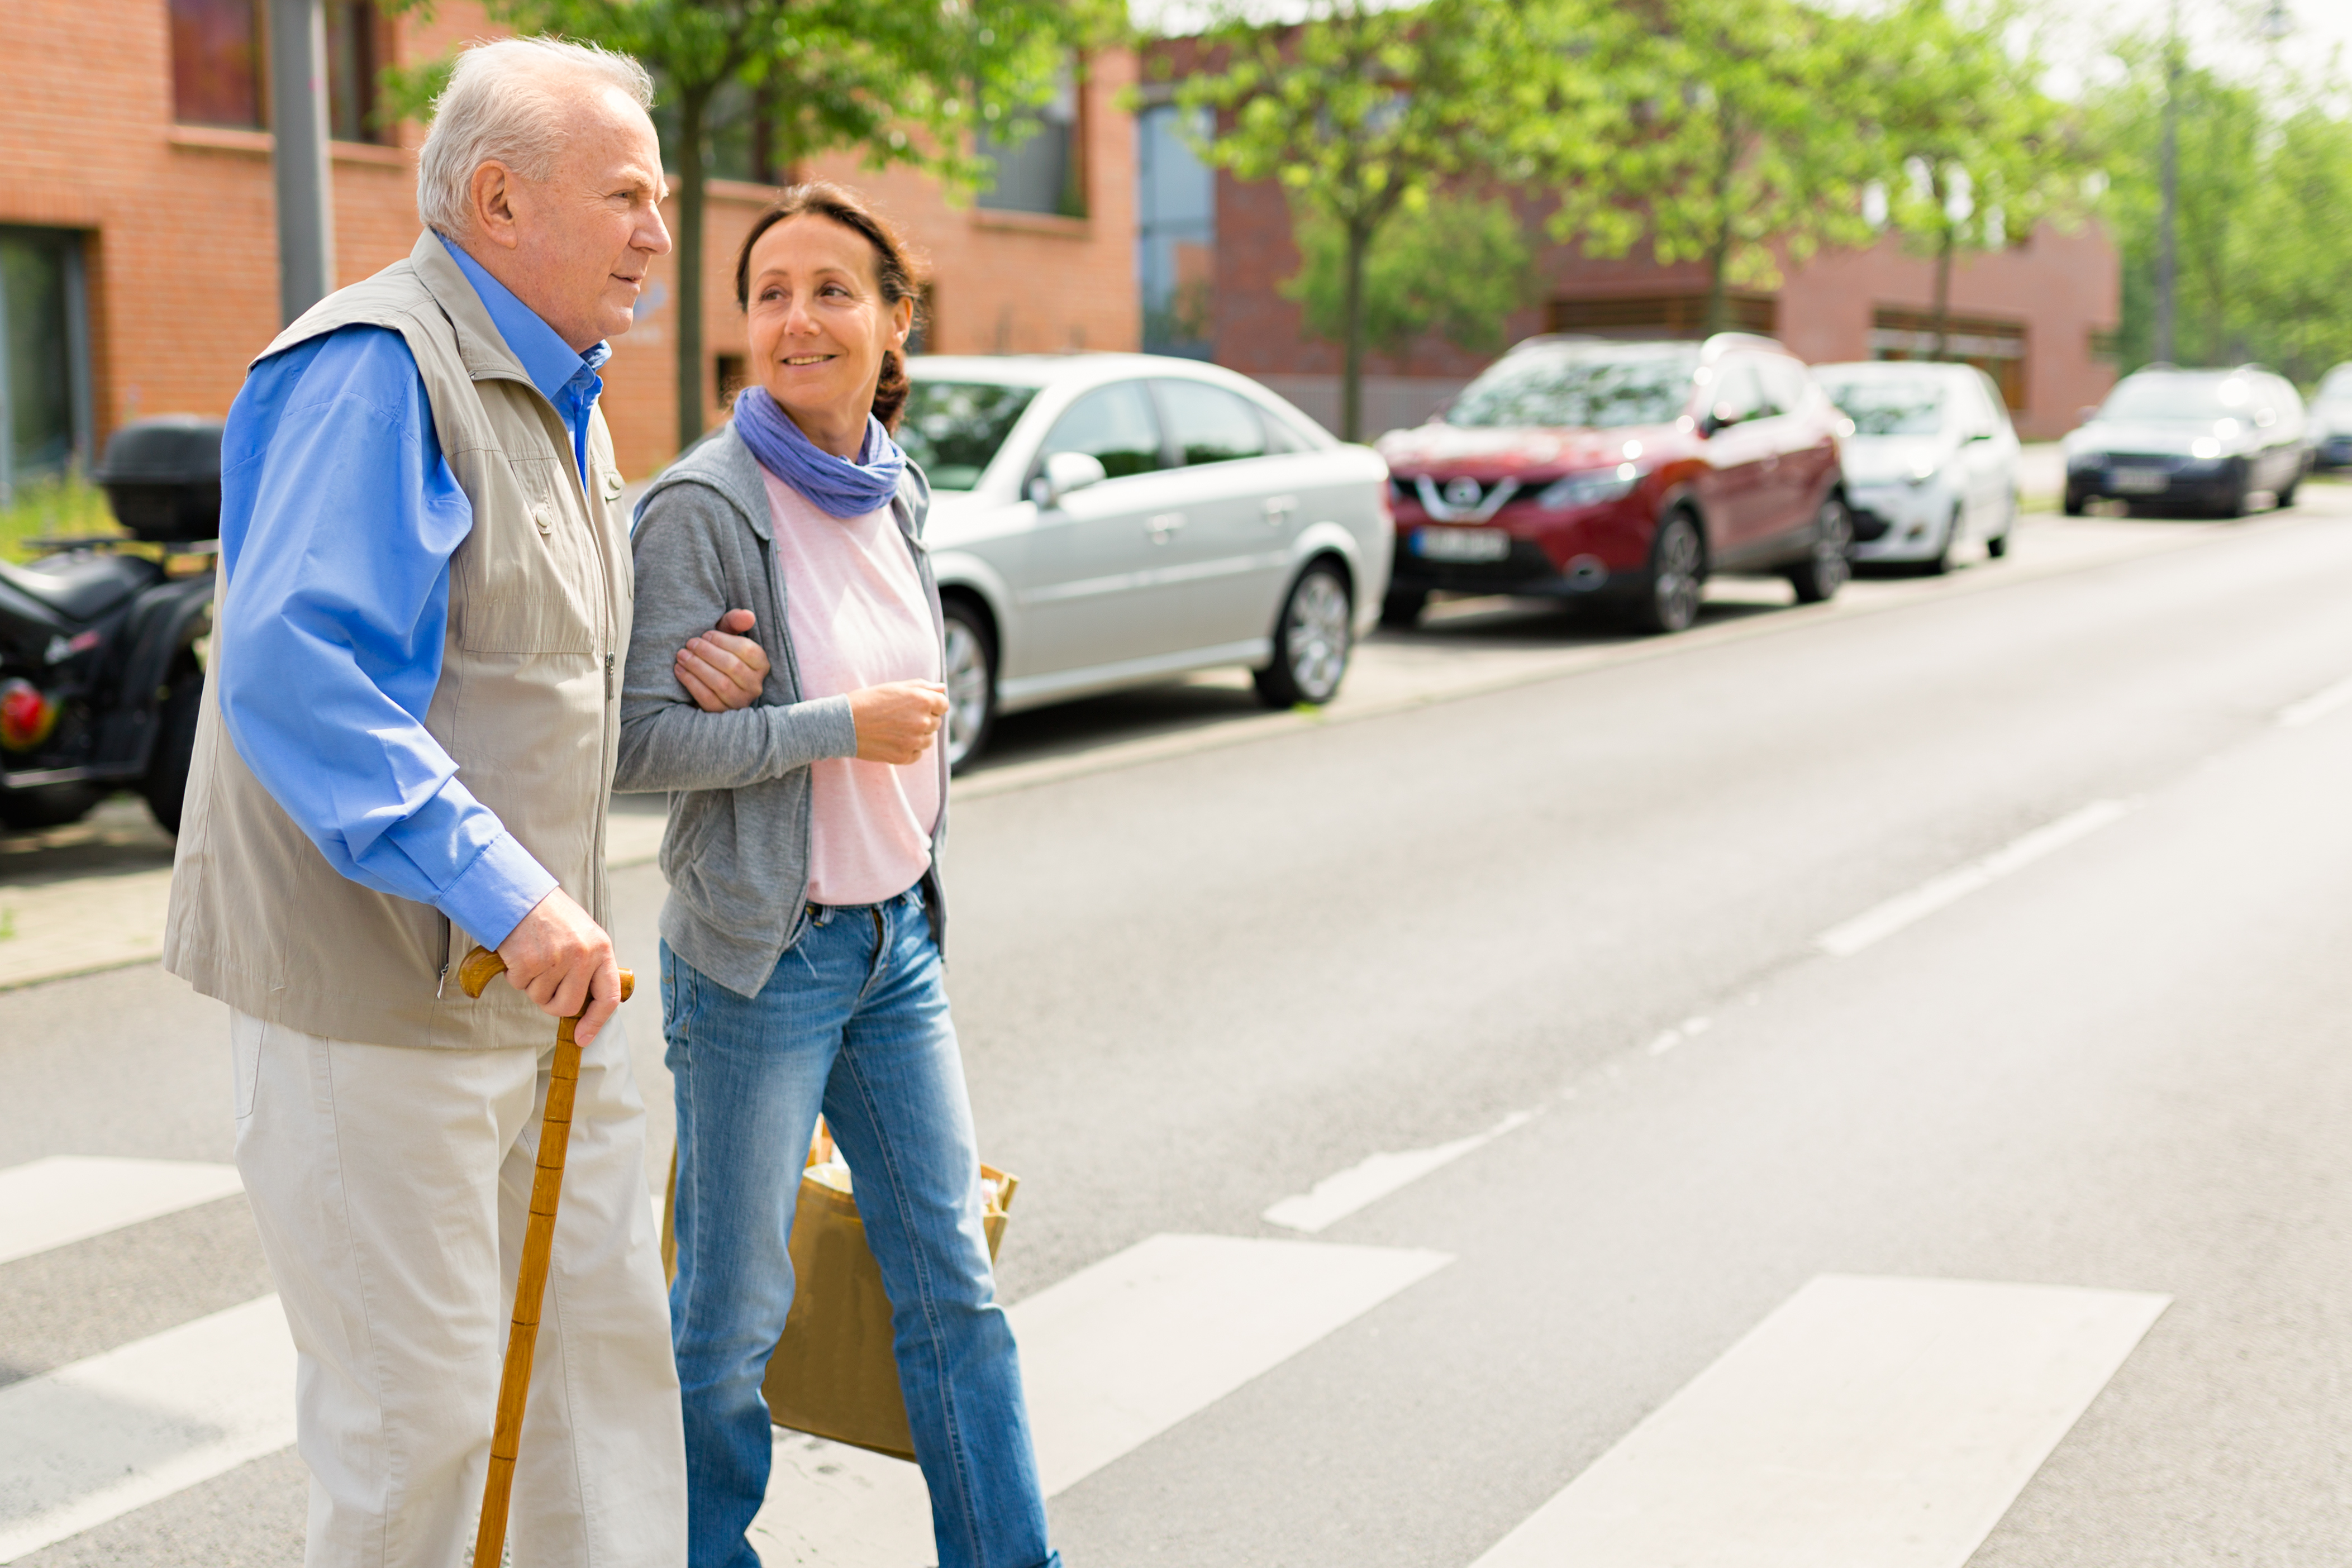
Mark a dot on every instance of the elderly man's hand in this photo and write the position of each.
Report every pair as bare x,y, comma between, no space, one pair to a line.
724,668
563,961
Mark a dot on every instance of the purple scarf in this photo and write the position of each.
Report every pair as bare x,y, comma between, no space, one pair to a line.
834,485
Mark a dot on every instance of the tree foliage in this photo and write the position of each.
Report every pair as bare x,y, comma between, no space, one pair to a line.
1973,154
1457,266
1365,111
2264,178
900,82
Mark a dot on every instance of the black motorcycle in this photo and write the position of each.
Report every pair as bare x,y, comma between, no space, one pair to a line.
102,638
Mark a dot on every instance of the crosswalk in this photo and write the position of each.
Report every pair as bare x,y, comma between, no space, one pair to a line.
1866,1422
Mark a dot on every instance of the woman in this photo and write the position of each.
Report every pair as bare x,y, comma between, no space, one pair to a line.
801,964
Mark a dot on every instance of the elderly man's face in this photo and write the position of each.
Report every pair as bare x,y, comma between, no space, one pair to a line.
575,246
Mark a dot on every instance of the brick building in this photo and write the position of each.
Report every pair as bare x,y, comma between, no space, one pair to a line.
1214,249
138,252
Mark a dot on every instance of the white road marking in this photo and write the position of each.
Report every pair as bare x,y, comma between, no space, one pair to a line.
2317,706
1369,1180
1865,1424
68,1198
1689,1028
1905,908
1112,1357
91,1441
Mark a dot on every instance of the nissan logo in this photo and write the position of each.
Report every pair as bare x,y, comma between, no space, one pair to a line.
1462,492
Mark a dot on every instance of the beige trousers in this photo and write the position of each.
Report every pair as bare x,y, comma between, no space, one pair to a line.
392,1185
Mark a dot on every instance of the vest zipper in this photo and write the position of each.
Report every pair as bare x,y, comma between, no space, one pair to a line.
608,676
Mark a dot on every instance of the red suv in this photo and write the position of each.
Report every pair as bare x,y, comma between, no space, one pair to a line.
1582,467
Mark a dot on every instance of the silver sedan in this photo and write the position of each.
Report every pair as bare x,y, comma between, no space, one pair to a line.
1102,521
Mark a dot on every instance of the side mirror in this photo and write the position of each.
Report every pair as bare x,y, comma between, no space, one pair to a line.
1715,419
1065,472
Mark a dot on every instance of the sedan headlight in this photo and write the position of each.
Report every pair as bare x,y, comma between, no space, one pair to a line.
2204,446
1920,473
1586,488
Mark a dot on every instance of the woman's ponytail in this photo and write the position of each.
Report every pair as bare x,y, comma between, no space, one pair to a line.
890,391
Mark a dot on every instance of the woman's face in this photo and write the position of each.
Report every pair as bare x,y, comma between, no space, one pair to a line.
819,323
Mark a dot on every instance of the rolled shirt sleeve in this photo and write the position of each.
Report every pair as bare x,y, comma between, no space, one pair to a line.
338,516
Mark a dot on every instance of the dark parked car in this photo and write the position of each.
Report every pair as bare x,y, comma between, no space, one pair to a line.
1624,472
2190,440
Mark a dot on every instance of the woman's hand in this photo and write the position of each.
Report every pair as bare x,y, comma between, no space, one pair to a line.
723,669
897,723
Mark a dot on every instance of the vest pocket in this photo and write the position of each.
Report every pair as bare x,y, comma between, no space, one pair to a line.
528,580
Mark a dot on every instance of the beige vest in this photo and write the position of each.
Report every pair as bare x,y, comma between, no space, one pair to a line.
540,597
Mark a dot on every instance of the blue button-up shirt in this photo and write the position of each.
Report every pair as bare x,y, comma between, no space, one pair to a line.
339,515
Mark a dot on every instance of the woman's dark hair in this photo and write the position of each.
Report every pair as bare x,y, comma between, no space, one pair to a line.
897,269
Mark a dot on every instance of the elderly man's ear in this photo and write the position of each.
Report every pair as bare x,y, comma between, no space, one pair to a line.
493,190
724,668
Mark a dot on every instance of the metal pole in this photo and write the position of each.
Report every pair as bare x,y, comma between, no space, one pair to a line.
2167,272
298,121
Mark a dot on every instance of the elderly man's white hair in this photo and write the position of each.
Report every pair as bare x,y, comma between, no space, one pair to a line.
508,102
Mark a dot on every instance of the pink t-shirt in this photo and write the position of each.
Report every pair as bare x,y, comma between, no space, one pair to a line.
858,618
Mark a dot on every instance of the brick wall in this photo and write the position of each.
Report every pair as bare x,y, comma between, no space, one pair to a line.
181,248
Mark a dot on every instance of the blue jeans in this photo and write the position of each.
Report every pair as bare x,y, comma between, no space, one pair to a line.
853,1020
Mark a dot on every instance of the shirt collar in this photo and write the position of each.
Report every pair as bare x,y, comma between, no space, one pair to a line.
546,358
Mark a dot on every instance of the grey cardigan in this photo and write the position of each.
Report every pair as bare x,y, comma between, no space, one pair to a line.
736,851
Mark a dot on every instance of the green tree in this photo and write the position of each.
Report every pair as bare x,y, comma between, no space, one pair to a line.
1749,145
2296,266
901,81
1973,154
2221,171
1458,266
1365,111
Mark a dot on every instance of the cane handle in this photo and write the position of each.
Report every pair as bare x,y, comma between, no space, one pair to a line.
483,965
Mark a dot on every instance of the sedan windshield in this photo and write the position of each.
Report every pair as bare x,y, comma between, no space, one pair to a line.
953,428
2338,383
2200,398
1580,389
1880,407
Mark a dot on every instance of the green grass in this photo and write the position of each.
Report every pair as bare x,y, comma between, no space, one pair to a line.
49,508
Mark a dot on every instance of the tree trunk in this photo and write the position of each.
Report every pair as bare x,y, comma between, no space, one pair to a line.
693,392
1944,249
1718,253
1351,373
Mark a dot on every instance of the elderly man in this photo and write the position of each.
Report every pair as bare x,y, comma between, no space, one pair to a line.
407,750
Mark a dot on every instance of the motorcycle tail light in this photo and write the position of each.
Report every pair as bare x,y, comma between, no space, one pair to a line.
27,717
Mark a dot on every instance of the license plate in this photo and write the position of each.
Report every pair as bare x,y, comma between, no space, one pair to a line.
1461,544
2139,481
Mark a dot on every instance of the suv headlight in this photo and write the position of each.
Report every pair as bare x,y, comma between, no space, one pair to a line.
1594,484
1921,472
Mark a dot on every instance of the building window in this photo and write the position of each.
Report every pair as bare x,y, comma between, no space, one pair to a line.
44,358
1044,170
217,62
1658,314
357,52
1995,347
1176,233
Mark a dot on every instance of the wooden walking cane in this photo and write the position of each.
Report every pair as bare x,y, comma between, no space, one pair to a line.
482,966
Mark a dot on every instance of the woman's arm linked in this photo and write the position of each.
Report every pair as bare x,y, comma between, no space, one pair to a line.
718,671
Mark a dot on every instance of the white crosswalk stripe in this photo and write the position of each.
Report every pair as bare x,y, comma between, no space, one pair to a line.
91,1441
1865,1424
70,1197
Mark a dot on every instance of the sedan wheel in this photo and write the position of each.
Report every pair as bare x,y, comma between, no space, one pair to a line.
970,679
1312,640
1677,572
1824,573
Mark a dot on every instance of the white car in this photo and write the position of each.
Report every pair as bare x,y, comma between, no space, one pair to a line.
1932,464
1108,520
2329,433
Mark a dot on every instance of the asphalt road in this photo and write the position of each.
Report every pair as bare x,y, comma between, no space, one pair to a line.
1205,981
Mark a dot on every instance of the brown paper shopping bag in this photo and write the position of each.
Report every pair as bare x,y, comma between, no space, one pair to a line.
832,1374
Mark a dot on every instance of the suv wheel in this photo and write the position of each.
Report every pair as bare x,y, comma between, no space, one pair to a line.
1678,570
1312,640
1821,574
969,668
